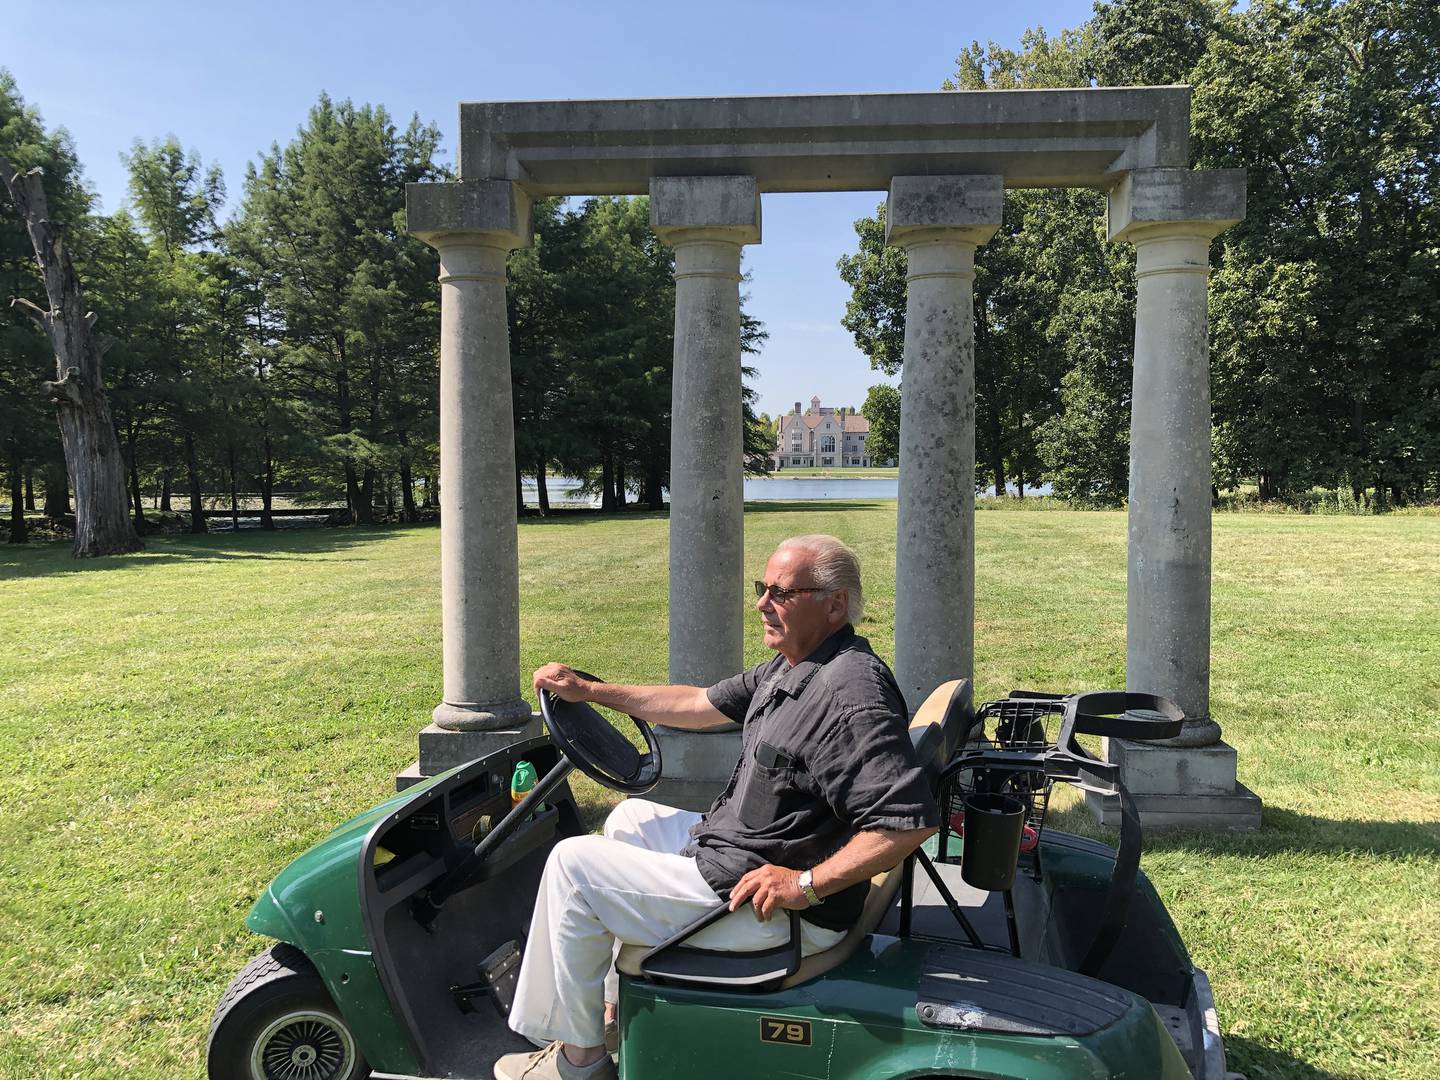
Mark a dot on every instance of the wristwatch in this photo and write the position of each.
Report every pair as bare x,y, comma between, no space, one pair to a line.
807,886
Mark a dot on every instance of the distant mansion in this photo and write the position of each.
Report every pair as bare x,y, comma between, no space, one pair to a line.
818,438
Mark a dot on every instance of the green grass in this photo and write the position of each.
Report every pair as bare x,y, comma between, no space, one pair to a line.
177,725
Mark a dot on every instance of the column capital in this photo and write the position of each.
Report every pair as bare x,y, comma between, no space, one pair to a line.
1150,204
923,209
486,213
686,209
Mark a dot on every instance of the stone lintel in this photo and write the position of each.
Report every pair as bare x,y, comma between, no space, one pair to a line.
496,212
1164,201
727,206
967,208
828,142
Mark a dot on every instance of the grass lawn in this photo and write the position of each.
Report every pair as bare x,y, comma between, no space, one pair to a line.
177,725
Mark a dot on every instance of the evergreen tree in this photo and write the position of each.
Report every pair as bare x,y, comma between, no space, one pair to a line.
352,294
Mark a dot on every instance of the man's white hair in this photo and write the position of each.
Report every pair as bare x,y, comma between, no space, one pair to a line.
835,568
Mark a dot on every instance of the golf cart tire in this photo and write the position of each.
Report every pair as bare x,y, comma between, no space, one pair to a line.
279,983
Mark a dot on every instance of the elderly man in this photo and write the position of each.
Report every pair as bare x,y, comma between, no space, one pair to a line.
827,793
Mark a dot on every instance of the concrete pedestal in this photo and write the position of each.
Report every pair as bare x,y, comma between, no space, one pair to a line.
697,766
1179,787
442,749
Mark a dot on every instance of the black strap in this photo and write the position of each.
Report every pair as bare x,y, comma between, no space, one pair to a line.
1121,891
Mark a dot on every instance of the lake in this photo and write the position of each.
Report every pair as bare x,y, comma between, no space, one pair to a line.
765,489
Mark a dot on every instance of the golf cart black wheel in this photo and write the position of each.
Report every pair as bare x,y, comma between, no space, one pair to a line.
278,1022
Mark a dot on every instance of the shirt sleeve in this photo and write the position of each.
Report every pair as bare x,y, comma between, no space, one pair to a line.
732,696
866,769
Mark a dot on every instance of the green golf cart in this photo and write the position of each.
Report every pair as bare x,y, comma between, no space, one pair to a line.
1001,949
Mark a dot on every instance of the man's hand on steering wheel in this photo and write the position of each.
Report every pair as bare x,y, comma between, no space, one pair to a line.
768,887
563,682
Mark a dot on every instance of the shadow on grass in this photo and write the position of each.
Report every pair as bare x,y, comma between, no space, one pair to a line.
53,558
584,516
1256,1061
1282,832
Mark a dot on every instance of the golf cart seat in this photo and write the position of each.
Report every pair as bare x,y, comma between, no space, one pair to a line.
939,726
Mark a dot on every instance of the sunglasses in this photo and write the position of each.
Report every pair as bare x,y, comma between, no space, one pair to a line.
779,595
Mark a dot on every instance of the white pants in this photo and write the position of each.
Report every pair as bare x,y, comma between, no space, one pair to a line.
630,885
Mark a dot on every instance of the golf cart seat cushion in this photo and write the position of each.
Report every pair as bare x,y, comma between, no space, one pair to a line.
883,888
940,725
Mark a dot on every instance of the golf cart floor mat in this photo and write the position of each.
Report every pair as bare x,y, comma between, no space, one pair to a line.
474,929
931,917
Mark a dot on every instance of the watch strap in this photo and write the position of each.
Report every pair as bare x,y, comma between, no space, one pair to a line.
807,886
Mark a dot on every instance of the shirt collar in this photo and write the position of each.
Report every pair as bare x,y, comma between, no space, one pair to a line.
795,680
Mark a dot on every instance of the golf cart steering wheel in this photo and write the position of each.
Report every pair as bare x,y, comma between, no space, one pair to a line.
592,745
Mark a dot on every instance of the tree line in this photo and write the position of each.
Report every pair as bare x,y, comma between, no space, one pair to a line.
1324,301
293,346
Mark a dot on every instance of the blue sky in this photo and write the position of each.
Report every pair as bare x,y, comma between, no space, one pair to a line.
230,79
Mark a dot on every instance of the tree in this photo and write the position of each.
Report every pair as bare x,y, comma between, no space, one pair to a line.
177,200
882,409
1325,314
592,320
92,453
29,438
351,295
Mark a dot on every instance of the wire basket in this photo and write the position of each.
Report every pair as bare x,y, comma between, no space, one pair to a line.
1027,725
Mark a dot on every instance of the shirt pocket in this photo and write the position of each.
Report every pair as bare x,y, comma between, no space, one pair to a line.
769,786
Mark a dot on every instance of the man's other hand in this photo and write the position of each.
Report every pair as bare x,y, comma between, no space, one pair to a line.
769,887
562,682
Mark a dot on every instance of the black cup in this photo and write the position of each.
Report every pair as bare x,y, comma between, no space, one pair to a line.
993,827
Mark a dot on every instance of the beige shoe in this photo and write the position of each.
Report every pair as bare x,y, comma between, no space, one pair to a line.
551,1064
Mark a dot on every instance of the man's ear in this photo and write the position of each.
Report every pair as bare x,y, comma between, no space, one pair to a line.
838,606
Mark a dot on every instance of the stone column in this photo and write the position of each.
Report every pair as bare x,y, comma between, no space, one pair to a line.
1171,215
706,220
939,221
474,224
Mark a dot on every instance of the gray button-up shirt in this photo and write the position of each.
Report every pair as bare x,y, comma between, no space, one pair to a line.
825,754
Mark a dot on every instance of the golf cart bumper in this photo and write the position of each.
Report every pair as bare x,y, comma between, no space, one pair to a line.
1209,1057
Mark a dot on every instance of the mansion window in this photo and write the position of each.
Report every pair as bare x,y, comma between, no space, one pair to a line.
827,444
828,461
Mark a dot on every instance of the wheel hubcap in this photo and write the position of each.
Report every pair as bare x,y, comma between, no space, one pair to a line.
307,1045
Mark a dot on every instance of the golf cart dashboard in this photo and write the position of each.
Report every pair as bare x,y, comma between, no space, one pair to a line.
431,835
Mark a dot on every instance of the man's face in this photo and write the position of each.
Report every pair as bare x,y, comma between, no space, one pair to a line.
794,628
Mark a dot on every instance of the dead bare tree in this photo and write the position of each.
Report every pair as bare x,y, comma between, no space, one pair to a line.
92,452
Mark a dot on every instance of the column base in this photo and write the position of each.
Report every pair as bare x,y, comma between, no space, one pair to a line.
1236,812
474,716
696,766
1179,787
442,749
1165,768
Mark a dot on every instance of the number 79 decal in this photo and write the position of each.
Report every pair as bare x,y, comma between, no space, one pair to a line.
781,1029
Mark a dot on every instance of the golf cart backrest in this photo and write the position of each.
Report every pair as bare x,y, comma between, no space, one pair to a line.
942,724
939,726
